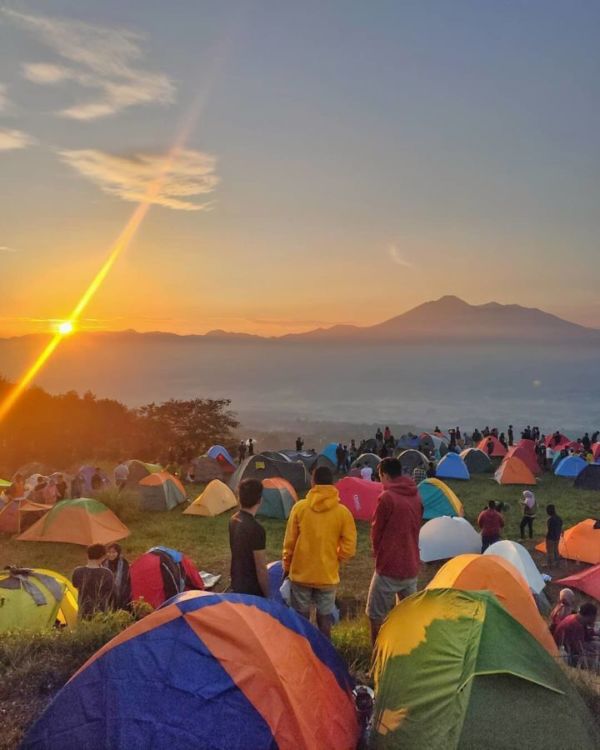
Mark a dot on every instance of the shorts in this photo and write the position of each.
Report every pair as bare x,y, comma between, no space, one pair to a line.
303,596
383,593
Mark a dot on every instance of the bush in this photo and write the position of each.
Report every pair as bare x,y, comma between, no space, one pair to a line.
124,504
353,642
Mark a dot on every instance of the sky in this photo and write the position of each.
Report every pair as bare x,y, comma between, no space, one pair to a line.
337,162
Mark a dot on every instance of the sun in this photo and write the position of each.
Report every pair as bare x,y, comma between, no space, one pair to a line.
65,328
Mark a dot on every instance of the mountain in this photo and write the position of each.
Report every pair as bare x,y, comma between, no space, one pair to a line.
451,318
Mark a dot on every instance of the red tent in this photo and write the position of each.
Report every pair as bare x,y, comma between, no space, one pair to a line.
525,450
596,451
359,496
562,442
587,580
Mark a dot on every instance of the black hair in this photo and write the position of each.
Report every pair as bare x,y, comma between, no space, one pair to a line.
390,466
322,475
250,492
588,610
492,505
96,551
550,510
117,547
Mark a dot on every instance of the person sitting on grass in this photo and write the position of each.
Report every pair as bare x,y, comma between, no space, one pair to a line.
491,523
576,635
119,567
564,608
553,535
247,542
94,583
320,534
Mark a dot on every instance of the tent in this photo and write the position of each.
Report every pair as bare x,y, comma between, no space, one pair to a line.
563,441
589,478
367,459
587,580
525,450
596,451
139,470
453,670
206,469
161,491
571,467
438,499
207,671
14,512
81,521
580,542
498,451
308,458
360,496
162,573
222,455
275,571
445,537
493,573
216,498
34,598
433,443
477,462
329,452
513,471
452,467
262,467
411,459
278,497
86,472
519,558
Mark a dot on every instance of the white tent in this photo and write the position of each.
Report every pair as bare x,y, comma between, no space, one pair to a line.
445,537
518,556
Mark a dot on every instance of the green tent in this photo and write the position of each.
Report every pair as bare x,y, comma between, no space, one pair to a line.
454,670
35,599
276,502
160,491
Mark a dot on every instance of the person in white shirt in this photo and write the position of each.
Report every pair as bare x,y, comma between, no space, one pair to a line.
366,473
121,475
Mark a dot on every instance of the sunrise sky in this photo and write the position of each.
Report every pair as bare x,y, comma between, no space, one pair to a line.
343,161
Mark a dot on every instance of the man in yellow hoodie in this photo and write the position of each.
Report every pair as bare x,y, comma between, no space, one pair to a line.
320,533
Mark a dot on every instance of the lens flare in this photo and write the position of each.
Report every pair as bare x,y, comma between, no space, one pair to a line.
65,328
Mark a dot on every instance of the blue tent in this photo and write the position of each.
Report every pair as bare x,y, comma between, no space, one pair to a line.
329,452
217,450
452,467
570,466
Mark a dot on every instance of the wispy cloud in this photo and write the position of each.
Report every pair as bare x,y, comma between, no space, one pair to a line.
185,176
4,103
398,257
14,139
99,58
6,249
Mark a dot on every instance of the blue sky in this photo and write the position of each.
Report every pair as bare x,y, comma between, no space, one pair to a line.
349,160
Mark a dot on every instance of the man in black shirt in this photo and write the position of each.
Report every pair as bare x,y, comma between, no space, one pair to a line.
248,540
553,535
93,583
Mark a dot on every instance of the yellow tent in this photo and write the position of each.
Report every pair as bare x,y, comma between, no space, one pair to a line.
216,498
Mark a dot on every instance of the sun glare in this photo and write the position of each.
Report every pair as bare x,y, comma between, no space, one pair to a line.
65,328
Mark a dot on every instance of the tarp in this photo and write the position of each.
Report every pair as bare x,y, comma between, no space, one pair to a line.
438,499
207,671
452,467
454,670
519,557
498,450
580,542
571,467
278,498
160,491
445,537
513,471
476,460
493,573
83,521
587,580
360,496
35,598
216,498
589,478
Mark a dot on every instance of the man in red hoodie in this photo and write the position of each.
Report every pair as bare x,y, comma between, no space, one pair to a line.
395,539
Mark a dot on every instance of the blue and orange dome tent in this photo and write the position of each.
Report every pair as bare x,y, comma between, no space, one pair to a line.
212,671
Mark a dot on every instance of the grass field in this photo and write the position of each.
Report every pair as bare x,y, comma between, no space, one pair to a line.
35,666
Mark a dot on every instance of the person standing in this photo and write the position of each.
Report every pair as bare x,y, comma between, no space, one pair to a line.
576,635
395,541
97,480
553,535
299,444
320,534
241,451
94,583
511,436
340,458
61,487
247,542
491,523
119,567
251,447
529,508
564,608
121,475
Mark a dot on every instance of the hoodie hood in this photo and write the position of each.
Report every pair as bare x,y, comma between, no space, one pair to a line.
323,497
402,485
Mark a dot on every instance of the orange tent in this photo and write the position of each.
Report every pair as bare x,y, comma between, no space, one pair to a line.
499,450
513,471
82,521
278,483
494,573
581,542
11,512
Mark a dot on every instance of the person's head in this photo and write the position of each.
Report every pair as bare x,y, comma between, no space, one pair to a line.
588,612
250,493
492,505
390,469
322,475
528,495
96,552
567,597
551,510
113,551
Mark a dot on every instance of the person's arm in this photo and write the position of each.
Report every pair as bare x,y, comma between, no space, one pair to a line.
501,520
292,531
347,542
260,562
479,518
380,519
